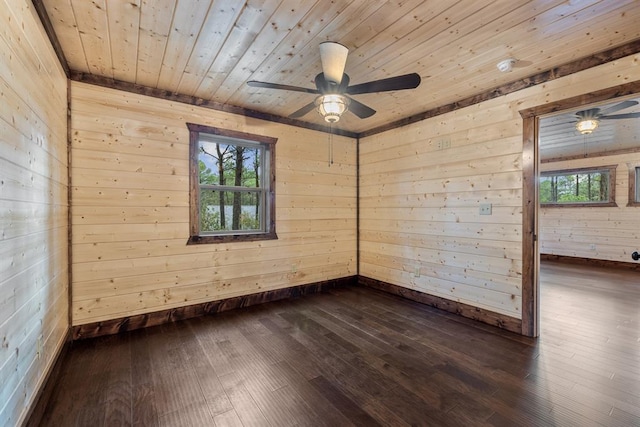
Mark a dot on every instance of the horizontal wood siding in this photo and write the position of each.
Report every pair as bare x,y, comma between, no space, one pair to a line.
130,199
422,186
34,236
604,233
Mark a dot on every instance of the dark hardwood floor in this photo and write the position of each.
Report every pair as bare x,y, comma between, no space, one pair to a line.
357,356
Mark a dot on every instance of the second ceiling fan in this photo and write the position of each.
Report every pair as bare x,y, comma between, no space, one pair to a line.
333,90
588,120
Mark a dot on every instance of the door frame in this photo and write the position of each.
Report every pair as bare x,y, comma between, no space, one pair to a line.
530,162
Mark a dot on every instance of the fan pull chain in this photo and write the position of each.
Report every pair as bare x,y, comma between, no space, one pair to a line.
330,145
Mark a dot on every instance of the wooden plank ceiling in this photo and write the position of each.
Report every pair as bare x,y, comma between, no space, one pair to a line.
211,48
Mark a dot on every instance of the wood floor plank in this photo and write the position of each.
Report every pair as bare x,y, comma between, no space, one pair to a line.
354,413
192,415
228,419
144,411
357,356
382,389
242,401
261,338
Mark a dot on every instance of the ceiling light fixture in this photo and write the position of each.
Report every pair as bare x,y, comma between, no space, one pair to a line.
586,126
332,106
334,58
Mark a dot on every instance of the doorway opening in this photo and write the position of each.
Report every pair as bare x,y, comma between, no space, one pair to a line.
532,166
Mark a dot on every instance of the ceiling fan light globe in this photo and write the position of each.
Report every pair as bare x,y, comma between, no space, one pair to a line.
332,106
587,126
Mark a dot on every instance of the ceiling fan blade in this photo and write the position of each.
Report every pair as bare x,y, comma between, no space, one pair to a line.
359,109
302,111
254,83
621,116
334,58
621,106
407,81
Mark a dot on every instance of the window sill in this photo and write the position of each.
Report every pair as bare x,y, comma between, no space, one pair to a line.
230,238
579,205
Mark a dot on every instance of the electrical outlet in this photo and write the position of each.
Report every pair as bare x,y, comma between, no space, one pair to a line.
592,247
485,209
416,272
294,268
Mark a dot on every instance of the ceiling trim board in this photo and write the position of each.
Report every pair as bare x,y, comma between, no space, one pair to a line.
48,28
601,95
581,64
192,100
592,155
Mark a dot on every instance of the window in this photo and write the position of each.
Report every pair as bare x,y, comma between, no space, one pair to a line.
578,187
634,184
232,186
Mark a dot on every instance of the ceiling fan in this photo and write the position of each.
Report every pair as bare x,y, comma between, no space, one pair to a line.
588,120
333,90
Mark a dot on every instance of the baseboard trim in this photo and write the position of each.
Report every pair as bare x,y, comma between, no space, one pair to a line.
130,323
619,265
43,395
478,314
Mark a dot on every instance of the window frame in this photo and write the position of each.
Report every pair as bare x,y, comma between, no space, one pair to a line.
268,210
634,184
611,169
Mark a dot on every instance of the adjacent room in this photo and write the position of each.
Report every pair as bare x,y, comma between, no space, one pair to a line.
319,213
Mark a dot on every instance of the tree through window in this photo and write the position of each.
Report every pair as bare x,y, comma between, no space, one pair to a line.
578,187
232,181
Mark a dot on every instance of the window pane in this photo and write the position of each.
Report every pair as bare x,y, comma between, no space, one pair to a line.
546,190
576,187
230,211
244,166
229,165
213,159
565,188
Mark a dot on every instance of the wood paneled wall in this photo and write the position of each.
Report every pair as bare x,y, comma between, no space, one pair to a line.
613,231
420,222
130,209
34,212
422,186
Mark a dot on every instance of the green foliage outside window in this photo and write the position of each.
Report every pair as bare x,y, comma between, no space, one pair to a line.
574,187
231,194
